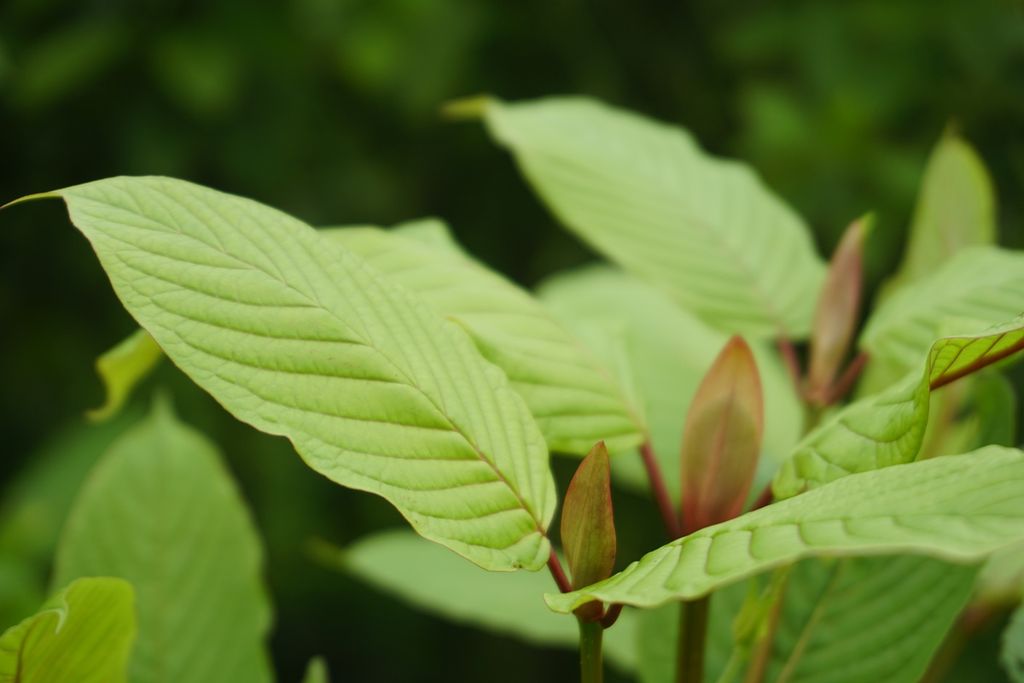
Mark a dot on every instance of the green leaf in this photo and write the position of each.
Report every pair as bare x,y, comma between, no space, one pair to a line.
979,286
574,400
436,581
1013,647
955,209
160,510
83,634
660,353
301,338
959,508
121,368
644,194
877,619
888,428
317,672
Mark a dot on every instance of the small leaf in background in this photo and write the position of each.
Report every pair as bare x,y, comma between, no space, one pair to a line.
121,368
303,339
646,196
35,503
83,634
955,208
1013,647
317,672
588,520
439,582
160,510
838,309
888,428
979,286
958,507
722,439
878,619
574,399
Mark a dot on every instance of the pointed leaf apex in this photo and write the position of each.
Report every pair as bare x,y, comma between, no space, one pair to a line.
722,438
838,309
588,524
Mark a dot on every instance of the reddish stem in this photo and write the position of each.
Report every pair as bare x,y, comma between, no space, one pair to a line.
660,492
611,616
845,383
789,357
557,573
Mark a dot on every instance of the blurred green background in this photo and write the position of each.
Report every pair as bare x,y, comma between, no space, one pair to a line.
328,109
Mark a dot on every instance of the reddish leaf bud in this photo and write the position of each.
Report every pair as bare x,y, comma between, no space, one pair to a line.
722,440
588,524
838,308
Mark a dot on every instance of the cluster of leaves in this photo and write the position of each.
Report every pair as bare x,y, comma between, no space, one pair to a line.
398,365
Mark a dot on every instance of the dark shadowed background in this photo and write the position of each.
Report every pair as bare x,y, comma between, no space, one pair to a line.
328,109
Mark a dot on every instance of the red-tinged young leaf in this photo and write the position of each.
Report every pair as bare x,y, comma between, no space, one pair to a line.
588,524
838,308
722,438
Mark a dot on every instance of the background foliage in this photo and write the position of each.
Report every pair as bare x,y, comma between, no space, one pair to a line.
328,109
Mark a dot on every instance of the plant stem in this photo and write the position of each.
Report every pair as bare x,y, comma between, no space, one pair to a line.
842,386
763,648
732,667
557,573
660,491
591,668
693,629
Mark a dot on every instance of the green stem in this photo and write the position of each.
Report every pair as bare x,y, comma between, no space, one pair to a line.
591,668
733,667
693,629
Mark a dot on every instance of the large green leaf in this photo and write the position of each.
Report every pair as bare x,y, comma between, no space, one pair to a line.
645,195
888,428
959,508
437,581
83,634
955,209
977,287
160,510
661,353
301,338
866,620
574,400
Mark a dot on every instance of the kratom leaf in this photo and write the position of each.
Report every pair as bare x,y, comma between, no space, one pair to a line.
1001,579
955,209
302,339
83,634
121,368
160,510
436,581
647,197
660,354
959,508
574,400
979,286
317,672
1013,647
877,619
888,428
